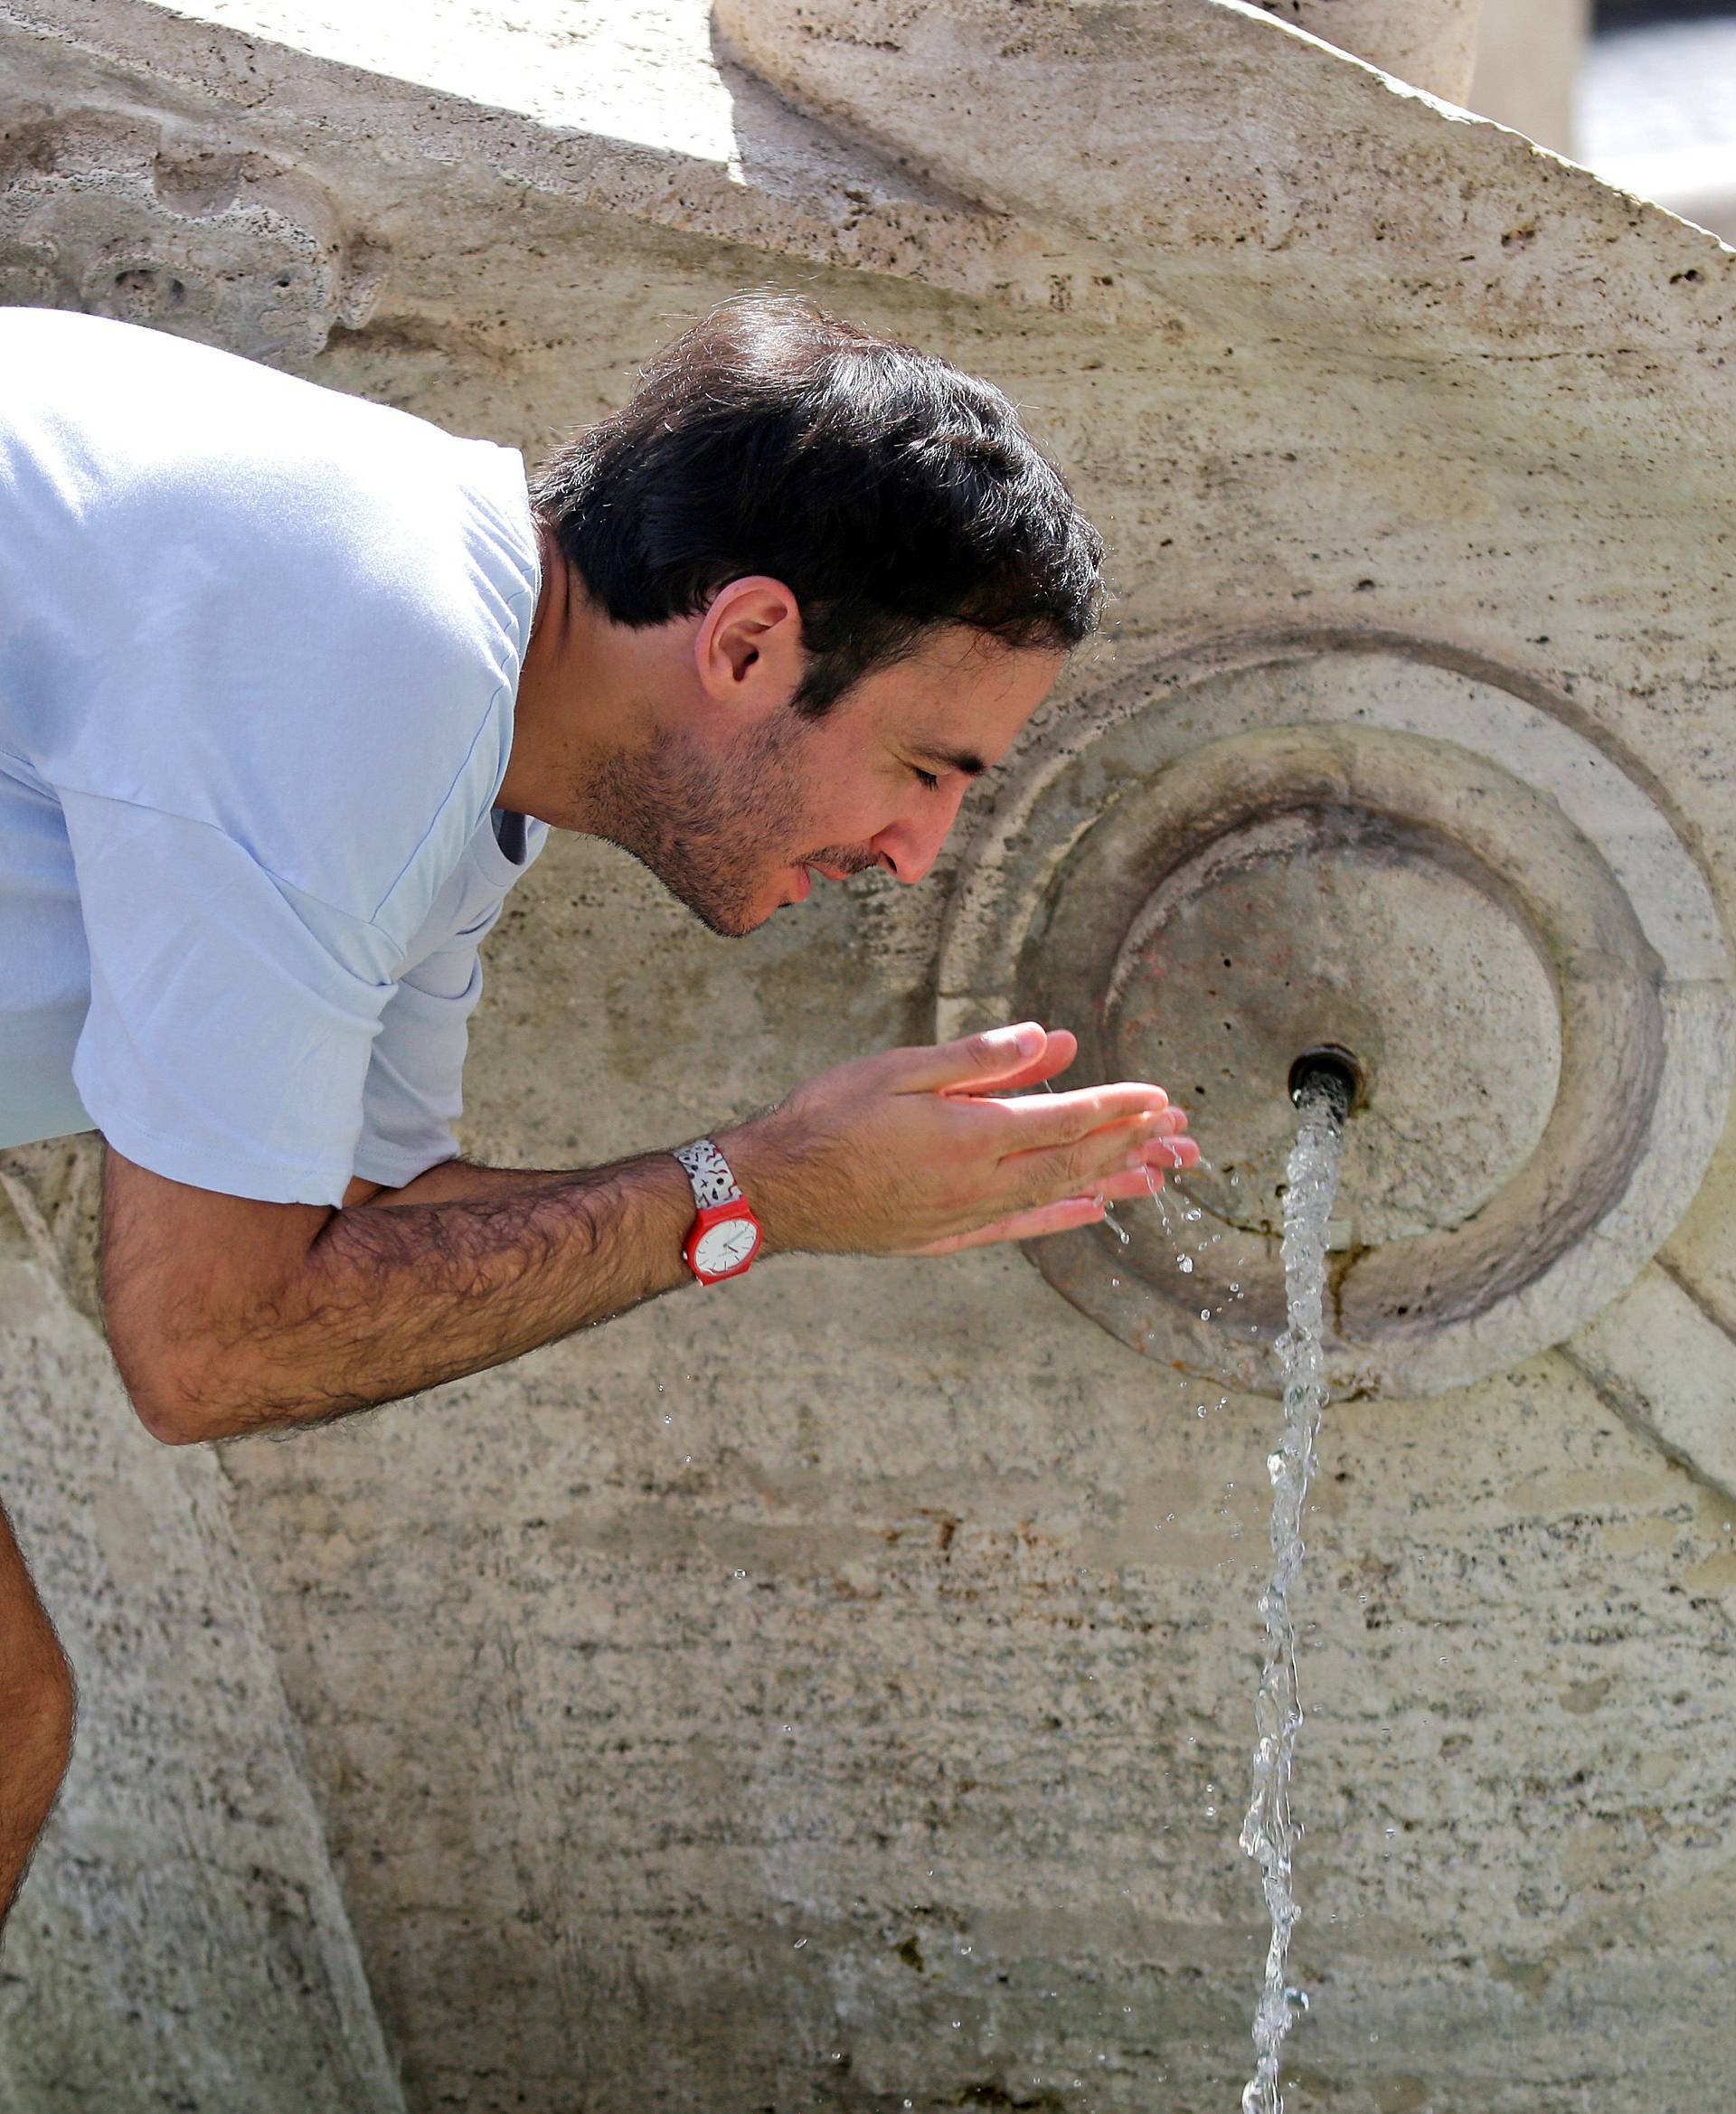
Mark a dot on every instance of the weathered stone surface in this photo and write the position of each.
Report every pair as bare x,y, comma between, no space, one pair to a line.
102,211
676,1765
55,1192
1661,1358
901,1678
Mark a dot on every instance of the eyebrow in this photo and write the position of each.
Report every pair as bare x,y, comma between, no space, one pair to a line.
964,759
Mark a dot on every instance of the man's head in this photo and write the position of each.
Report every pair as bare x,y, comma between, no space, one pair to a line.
835,576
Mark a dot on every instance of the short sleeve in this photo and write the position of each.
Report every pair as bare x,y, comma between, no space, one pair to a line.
413,1094
231,1017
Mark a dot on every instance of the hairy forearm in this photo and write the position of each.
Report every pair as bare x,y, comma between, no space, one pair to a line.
461,1181
412,1290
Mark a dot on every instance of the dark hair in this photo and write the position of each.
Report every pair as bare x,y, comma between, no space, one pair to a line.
887,490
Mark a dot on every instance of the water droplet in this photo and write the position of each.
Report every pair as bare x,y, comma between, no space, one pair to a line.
1184,1261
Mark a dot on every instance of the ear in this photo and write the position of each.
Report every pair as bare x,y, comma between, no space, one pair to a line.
748,650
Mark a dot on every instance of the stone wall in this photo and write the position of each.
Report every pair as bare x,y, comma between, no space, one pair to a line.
834,1692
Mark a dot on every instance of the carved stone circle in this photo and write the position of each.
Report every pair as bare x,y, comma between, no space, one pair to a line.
1208,870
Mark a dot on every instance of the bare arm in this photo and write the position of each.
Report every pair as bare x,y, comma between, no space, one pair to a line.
300,1313
36,1714
228,1316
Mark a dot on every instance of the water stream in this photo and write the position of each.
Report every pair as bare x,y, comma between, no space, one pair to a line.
1268,1833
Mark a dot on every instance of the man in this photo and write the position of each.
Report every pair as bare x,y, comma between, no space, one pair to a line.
292,689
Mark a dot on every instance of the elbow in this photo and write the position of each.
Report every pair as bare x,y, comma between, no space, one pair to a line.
175,1411
171,1419
169,1424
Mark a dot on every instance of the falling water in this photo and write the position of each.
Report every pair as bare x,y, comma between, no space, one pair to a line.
1267,1834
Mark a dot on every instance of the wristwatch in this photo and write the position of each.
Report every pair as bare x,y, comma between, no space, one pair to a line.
725,1236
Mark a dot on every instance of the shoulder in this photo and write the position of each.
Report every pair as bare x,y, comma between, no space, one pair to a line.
310,612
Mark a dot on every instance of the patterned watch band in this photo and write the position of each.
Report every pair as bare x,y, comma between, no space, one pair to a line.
709,1171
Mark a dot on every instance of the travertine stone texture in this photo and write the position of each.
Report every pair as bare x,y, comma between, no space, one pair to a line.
1431,43
54,1190
105,211
836,1692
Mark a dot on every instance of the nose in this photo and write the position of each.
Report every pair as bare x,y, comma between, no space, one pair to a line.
910,847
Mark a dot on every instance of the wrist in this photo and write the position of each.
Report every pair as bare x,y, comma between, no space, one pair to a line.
725,1237
769,1183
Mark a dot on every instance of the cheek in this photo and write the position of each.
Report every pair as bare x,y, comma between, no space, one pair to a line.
845,798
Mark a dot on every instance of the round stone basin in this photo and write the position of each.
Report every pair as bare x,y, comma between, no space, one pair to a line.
1365,849
1338,927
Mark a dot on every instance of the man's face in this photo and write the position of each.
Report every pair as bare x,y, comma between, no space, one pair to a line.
735,822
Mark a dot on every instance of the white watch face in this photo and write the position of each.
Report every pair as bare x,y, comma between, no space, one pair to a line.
726,1247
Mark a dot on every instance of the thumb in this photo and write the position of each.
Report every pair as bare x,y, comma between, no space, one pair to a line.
973,1060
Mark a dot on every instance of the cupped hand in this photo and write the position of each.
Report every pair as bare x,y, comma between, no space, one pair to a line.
929,1150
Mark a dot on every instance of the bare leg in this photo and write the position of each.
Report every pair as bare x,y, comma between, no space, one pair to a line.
37,1699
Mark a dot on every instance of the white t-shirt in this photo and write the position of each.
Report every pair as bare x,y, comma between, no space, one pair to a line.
260,646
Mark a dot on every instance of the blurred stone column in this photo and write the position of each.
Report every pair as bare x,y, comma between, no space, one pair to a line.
1528,58
1430,43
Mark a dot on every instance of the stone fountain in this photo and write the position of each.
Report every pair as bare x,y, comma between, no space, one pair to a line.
838,1697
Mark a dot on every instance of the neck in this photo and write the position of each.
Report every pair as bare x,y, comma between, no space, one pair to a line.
576,703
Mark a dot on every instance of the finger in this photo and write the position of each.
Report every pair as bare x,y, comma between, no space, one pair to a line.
1061,1217
1119,1186
1057,1053
1128,1186
1129,1183
973,1062
1041,1120
1049,1172
1178,1154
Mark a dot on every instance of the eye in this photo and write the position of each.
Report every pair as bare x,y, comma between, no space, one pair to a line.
926,778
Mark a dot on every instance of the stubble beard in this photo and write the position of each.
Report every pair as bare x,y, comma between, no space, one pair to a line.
713,829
